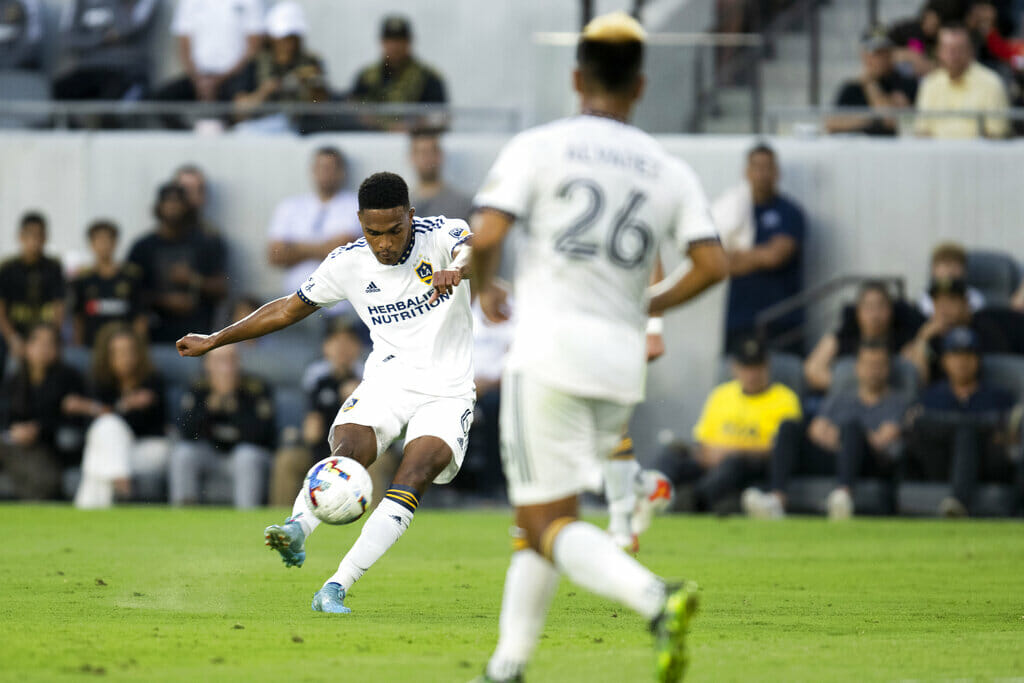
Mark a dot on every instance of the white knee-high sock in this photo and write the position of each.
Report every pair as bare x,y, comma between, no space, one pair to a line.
620,490
590,558
530,585
303,515
384,527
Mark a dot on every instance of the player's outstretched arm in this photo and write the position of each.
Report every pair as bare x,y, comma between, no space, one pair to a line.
269,317
710,266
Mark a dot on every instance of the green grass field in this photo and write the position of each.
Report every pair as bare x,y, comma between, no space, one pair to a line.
169,595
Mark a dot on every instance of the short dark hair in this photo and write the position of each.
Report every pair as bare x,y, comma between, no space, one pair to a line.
102,225
190,169
955,26
333,152
762,148
383,191
32,218
425,132
612,66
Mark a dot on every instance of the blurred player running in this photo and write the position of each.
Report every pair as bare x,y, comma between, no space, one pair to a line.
401,278
596,197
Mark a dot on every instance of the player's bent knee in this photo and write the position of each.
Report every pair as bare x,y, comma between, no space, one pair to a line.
355,441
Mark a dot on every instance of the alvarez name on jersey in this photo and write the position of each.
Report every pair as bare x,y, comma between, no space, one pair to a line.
420,347
597,198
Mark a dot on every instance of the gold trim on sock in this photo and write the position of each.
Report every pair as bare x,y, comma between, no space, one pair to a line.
547,539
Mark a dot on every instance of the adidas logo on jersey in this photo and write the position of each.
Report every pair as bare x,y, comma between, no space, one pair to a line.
372,288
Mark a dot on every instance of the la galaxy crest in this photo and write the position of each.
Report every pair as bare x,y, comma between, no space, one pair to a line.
425,272
349,404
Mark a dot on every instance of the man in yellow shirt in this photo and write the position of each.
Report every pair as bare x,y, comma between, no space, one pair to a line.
960,84
736,431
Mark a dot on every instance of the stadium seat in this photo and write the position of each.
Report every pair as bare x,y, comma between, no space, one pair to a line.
290,404
1010,322
994,273
20,85
904,378
870,496
1004,371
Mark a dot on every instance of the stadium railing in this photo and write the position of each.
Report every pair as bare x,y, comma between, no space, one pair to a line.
810,121
342,116
812,297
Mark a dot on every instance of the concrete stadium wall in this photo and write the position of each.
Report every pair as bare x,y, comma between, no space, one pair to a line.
875,207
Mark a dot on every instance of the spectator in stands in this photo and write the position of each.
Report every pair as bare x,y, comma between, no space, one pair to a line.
951,311
763,233
21,34
874,318
949,262
227,428
306,228
107,42
960,433
398,76
342,349
106,292
192,179
961,84
183,270
432,196
736,431
216,39
916,40
855,433
284,71
127,438
880,86
31,287
1017,300
481,472
31,450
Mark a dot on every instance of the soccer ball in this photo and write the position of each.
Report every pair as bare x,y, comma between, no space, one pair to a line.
338,490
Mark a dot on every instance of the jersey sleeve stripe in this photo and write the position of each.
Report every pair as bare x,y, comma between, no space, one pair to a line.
305,299
705,240
484,207
461,241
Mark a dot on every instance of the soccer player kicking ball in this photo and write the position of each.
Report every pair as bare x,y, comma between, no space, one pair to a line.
597,197
402,279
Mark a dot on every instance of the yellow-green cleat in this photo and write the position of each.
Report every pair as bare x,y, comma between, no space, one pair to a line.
670,629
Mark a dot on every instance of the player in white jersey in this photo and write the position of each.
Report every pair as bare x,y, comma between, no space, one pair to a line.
401,278
596,198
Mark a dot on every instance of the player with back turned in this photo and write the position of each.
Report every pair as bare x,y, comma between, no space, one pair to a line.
596,198
402,279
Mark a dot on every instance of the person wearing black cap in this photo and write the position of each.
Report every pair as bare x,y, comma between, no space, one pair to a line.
960,431
880,86
952,309
736,432
398,76
183,270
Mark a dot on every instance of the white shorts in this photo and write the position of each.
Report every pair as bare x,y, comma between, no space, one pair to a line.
554,444
392,412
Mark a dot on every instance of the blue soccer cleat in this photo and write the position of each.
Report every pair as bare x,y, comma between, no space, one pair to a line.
289,540
331,599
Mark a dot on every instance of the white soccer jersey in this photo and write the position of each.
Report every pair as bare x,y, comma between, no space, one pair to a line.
596,198
416,346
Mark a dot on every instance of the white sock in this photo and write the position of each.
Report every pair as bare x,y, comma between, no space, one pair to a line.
303,515
620,490
530,584
590,558
384,527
